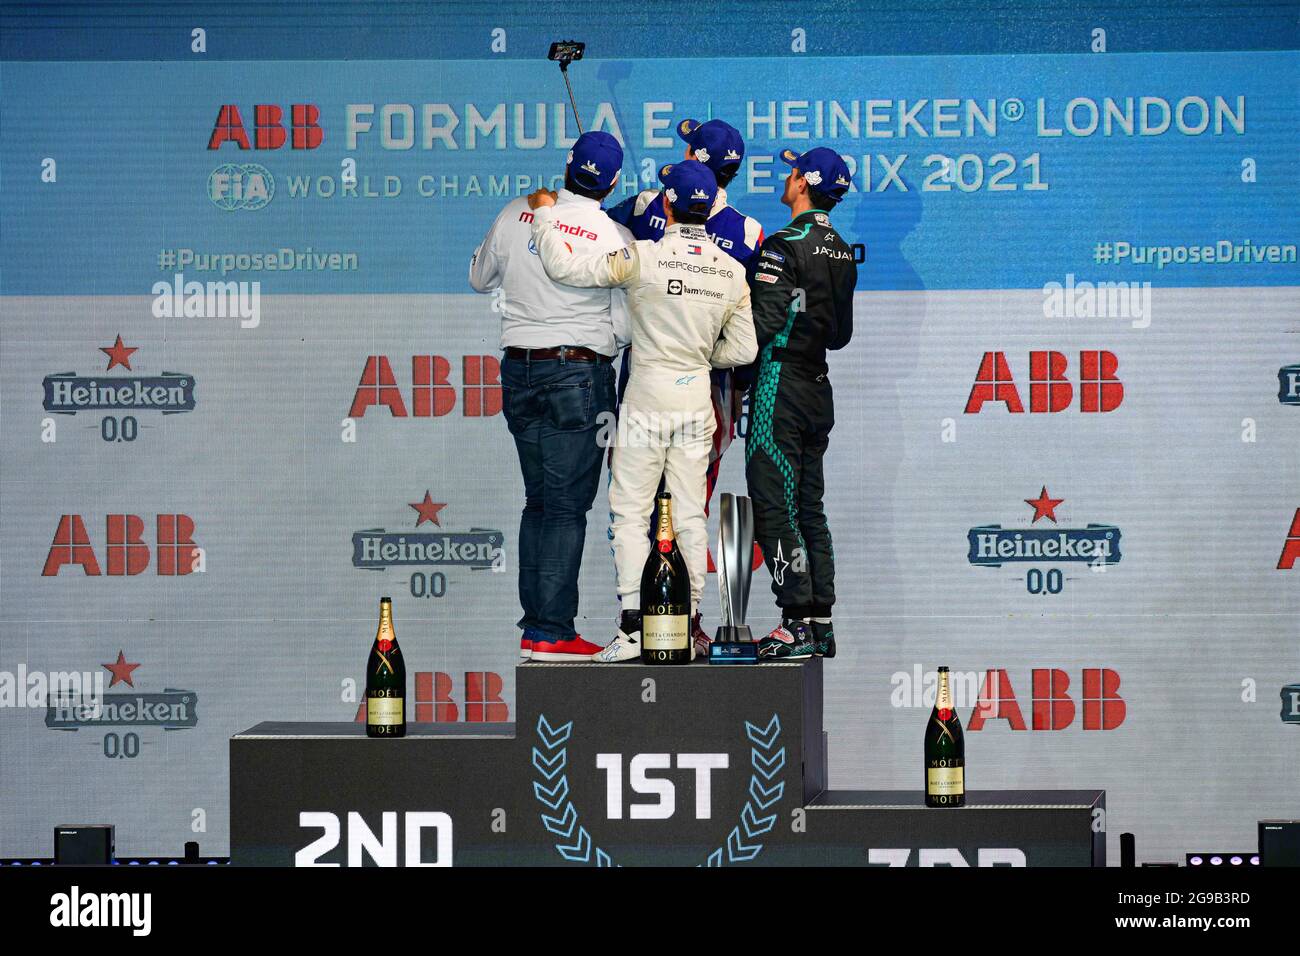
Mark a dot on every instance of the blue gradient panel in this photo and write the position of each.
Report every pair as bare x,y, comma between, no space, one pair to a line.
984,172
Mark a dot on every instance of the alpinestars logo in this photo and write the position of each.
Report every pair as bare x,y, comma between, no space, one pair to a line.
798,563
377,549
1097,545
169,709
67,393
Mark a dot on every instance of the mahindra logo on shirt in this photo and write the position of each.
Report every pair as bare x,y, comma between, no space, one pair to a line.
579,231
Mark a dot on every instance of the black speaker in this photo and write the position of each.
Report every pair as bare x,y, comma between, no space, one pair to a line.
1279,842
1127,850
83,844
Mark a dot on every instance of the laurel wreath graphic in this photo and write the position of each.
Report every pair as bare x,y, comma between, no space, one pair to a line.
573,840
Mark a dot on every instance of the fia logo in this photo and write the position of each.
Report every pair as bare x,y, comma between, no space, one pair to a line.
641,782
246,186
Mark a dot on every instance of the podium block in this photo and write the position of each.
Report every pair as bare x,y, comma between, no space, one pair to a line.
617,765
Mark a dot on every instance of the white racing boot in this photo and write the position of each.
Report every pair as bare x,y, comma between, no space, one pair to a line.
626,645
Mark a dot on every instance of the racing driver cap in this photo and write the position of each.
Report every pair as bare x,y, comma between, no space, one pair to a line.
824,169
595,160
716,144
687,183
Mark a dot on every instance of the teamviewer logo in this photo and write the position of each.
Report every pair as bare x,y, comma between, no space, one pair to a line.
674,286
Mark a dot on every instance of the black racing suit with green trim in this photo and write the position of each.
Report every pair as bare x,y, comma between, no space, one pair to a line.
802,296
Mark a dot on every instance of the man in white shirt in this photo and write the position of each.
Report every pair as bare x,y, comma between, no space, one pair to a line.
557,386
689,312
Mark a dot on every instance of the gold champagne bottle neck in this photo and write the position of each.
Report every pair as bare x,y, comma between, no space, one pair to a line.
665,531
385,622
944,698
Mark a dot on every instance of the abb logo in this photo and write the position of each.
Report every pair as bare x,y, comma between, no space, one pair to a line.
434,702
268,127
125,549
432,394
1053,708
1049,389
1291,547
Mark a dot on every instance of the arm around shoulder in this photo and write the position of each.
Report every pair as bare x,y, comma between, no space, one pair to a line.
737,345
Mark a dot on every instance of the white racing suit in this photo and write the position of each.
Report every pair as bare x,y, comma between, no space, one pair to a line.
688,305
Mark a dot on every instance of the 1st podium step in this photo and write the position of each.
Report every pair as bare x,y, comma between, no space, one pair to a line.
621,765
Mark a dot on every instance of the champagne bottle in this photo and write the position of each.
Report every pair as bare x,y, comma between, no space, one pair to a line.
665,595
385,680
945,751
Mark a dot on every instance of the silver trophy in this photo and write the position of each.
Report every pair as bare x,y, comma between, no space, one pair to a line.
734,644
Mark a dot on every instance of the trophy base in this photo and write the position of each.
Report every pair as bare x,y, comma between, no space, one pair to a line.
733,645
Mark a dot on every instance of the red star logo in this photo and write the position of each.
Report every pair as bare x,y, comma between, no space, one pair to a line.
1044,507
121,671
118,354
427,510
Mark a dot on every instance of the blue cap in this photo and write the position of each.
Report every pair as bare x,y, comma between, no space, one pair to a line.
716,144
595,160
824,169
687,183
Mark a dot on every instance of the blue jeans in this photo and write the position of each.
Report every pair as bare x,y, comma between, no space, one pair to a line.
554,410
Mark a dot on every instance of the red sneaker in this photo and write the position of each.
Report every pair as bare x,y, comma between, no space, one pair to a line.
700,641
576,651
525,646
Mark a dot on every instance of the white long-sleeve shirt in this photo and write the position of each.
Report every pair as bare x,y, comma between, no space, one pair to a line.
688,300
537,312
